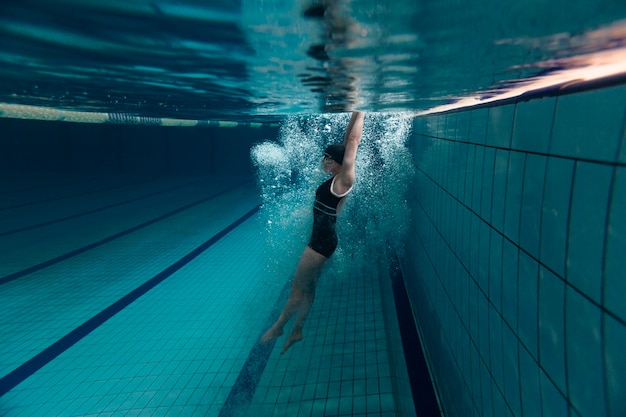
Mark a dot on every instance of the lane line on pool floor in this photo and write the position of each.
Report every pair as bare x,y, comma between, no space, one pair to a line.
96,210
27,369
76,252
242,392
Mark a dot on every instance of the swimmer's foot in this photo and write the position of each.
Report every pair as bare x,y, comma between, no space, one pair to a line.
273,333
294,336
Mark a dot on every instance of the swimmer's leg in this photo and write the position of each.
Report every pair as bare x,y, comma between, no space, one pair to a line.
308,285
309,268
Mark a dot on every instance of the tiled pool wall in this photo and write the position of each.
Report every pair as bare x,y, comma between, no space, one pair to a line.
32,146
517,268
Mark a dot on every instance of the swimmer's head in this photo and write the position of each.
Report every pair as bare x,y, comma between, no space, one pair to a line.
335,152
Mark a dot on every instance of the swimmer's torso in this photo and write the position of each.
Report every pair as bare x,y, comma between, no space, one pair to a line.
323,237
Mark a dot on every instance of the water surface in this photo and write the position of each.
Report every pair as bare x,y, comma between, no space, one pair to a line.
241,60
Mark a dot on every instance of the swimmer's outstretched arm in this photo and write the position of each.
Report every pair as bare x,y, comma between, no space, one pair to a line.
351,140
357,116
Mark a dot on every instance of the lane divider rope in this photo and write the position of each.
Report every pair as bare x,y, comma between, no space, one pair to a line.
28,112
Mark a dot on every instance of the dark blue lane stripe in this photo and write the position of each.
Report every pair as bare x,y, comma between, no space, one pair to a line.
78,251
241,393
85,213
424,396
27,369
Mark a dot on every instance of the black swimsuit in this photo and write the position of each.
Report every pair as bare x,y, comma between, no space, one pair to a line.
323,238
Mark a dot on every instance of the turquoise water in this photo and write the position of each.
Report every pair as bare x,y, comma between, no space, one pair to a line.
140,264
247,60
289,172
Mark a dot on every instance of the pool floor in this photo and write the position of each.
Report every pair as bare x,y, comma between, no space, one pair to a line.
147,296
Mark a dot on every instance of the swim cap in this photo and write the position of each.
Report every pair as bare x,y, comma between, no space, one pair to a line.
336,152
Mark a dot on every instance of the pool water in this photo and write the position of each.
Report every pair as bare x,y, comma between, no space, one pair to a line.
261,61
156,199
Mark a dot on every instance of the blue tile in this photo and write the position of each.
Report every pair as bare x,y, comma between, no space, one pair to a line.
419,125
478,126
468,193
499,404
487,185
474,245
422,145
515,181
622,156
510,364
484,327
584,355
589,125
439,157
614,282
387,403
474,323
487,388
456,223
532,200
553,403
573,412
331,408
311,408
462,149
500,126
447,174
359,387
373,404
454,165
529,382
449,128
533,125
462,126
466,238
551,326
359,405
476,386
615,363
587,227
484,255
465,358
528,283
555,213
499,189
435,124
477,182
495,350
509,283
495,270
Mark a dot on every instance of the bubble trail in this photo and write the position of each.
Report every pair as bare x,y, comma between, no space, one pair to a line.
376,215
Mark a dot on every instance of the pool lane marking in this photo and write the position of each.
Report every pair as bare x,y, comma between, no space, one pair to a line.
30,112
424,395
76,252
28,368
242,392
92,211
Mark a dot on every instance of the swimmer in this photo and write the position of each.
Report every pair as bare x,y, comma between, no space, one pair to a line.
338,161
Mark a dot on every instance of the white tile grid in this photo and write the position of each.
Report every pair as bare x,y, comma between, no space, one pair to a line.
48,242
125,368
583,344
178,349
341,368
53,301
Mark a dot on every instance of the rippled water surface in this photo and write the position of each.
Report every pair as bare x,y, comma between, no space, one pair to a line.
257,59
